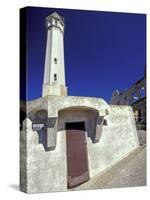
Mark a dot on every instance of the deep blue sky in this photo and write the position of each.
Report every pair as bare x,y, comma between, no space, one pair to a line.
103,51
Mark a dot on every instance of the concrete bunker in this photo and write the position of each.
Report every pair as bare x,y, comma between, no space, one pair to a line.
52,163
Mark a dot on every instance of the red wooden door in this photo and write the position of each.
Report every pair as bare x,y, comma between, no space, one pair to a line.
77,161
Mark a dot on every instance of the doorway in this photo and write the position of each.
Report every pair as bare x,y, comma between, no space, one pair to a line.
75,126
77,160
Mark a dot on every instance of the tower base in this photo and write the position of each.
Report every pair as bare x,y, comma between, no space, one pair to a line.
54,89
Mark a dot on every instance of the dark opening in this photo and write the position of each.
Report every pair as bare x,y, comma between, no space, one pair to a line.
55,60
105,122
55,77
139,115
75,126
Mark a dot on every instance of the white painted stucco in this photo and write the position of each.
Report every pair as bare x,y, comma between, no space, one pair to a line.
47,170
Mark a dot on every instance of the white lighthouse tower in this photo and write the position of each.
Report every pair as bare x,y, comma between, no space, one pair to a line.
54,72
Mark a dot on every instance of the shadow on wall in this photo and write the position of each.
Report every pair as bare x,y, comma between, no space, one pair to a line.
39,124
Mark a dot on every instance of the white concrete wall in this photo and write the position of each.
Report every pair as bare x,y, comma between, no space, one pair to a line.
118,139
46,170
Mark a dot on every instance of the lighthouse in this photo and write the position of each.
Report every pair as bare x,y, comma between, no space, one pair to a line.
54,71
67,140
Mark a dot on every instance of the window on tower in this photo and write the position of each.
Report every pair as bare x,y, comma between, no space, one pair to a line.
55,60
55,77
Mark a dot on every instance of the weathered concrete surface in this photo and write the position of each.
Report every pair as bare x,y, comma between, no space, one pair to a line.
56,103
129,172
118,139
41,171
46,171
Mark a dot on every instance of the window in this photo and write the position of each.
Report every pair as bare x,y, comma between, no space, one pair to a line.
55,60
55,77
